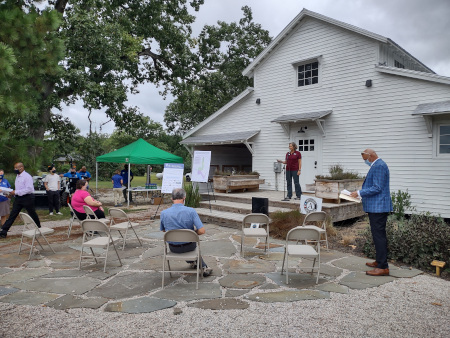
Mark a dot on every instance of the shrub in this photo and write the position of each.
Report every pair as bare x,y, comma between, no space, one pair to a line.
193,197
415,241
337,173
401,202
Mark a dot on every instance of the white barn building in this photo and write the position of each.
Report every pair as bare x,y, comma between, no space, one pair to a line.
336,89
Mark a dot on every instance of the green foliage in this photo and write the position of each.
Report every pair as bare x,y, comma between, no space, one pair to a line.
282,222
193,197
224,51
415,241
401,202
337,173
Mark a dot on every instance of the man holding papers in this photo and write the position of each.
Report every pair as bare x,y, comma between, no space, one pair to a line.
376,199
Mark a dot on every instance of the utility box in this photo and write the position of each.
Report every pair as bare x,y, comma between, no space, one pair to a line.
277,167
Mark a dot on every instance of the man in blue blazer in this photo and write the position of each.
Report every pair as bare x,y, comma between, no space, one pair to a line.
376,199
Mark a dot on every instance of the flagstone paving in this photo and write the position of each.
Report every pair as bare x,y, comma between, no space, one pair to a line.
54,280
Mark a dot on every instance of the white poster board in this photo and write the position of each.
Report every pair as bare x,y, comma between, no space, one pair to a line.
173,177
200,166
309,204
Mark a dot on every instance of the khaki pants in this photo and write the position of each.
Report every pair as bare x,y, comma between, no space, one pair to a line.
117,192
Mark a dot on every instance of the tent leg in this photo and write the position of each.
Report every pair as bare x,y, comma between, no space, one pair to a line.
96,178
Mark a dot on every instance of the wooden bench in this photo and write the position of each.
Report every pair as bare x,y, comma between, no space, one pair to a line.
227,184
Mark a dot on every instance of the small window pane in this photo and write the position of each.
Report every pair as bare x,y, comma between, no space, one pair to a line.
306,141
444,130
300,83
308,67
444,149
315,72
315,65
311,148
444,139
306,148
300,148
315,80
300,142
307,82
301,76
301,68
311,141
308,73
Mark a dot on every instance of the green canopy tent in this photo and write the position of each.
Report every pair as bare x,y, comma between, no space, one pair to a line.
138,152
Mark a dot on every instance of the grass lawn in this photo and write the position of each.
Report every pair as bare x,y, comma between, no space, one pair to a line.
137,181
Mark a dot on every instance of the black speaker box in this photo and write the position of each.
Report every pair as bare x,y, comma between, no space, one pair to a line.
260,205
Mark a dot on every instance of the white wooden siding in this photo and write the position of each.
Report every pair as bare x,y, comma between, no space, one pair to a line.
378,117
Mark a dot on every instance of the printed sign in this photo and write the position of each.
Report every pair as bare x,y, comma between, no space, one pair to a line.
173,177
200,166
309,204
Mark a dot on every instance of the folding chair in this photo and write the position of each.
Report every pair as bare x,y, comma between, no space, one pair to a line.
302,250
181,235
102,242
74,218
91,214
31,230
116,213
261,219
311,221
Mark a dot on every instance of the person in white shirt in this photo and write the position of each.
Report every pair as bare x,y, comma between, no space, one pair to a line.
52,184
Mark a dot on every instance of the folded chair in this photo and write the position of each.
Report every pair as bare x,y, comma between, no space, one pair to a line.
103,241
31,230
73,219
317,220
263,220
302,250
116,213
91,214
182,235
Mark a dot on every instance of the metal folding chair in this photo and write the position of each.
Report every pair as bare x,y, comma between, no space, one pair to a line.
31,230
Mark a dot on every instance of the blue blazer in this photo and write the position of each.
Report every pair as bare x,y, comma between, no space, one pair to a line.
375,193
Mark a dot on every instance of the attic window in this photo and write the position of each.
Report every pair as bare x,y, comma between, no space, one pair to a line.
398,64
308,74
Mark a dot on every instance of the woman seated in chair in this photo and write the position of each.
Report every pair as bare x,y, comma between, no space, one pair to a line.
83,197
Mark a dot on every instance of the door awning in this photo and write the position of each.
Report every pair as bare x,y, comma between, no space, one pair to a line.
221,139
286,120
428,110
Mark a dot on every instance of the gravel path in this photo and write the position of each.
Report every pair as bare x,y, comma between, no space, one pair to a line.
416,307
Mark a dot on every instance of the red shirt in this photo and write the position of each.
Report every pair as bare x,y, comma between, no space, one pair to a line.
292,160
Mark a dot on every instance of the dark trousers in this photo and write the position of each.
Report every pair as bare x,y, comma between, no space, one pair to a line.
20,202
292,174
378,228
125,196
186,248
53,200
82,216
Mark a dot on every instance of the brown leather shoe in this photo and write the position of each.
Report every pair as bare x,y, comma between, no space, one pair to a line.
372,265
378,272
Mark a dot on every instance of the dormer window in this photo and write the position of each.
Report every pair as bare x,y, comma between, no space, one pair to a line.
308,74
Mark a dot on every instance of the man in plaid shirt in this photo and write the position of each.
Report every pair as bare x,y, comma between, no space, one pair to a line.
376,199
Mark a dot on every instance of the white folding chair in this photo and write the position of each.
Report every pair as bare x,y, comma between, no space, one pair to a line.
317,220
182,235
73,219
102,242
261,220
302,250
31,230
91,214
116,213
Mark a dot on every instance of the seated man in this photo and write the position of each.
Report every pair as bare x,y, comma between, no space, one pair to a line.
179,216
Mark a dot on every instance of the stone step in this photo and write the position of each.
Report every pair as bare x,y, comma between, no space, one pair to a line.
223,218
236,207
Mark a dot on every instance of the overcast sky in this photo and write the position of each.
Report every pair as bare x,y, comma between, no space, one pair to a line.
422,27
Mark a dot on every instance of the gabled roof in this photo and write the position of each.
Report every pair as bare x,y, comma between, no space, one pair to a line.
306,13
413,74
435,108
228,138
220,111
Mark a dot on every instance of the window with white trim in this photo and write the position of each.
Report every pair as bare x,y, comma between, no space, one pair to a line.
308,74
444,139
306,145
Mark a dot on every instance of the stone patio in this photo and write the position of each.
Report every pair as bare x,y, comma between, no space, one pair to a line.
53,280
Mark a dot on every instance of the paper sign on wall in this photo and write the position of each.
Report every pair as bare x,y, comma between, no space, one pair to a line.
310,204
200,166
173,177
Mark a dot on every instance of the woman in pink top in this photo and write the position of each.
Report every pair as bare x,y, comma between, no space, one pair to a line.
82,197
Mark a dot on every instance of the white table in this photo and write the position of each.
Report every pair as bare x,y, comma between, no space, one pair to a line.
143,190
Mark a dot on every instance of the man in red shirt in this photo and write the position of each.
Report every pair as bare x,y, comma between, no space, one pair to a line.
293,163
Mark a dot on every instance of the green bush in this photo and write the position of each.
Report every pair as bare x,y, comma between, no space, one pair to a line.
416,241
193,197
337,173
401,202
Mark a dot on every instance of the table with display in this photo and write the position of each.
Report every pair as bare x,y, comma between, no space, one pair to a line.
144,193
